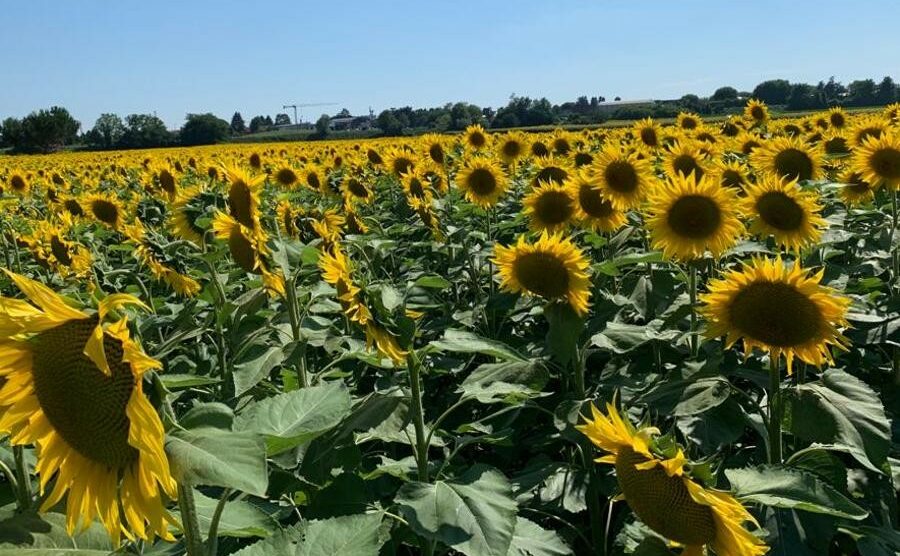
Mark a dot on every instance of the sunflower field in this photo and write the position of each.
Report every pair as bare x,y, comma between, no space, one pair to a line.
651,340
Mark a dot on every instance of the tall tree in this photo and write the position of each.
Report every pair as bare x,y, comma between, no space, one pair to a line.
237,124
203,129
774,91
109,129
282,119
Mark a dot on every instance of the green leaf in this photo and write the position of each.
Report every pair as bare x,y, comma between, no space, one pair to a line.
462,341
510,379
702,395
45,534
281,543
783,487
565,330
841,409
474,514
432,281
211,414
290,419
530,539
216,457
352,535
620,337
239,519
174,381
249,373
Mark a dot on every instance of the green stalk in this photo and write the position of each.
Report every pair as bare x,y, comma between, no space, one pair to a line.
414,366
595,510
294,314
221,299
22,478
212,538
193,542
774,411
692,290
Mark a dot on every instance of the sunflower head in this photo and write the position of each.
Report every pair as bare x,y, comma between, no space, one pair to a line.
648,133
788,157
286,176
243,196
592,210
688,216
756,111
482,181
511,147
779,208
688,121
106,209
475,137
877,160
624,178
780,309
856,190
552,268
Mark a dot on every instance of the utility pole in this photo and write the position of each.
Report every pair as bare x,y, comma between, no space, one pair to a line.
294,106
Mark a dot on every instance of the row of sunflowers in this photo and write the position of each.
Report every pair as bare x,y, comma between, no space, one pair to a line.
653,339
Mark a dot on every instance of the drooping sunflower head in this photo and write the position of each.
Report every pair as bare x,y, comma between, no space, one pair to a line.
789,158
688,121
856,190
191,205
243,196
657,488
780,309
415,184
482,180
877,160
688,216
549,207
355,189
475,137
248,249
624,178
592,210
686,158
779,208
553,268
756,111
73,388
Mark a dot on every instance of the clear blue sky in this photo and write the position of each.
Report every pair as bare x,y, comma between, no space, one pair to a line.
171,57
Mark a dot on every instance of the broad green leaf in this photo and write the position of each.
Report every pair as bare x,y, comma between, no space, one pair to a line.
290,419
248,374
210,414
565,330
432,281
239,518
530,539
282,543
702,395
474,514
216,457
783,487
45,534
496,381
841,409
181,381
352,535
620,337
462,341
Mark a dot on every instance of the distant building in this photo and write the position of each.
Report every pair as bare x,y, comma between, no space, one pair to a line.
360,123
609,107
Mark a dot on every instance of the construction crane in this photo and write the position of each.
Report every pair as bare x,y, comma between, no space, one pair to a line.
307,105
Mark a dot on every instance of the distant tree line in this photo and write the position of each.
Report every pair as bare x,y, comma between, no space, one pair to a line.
55,128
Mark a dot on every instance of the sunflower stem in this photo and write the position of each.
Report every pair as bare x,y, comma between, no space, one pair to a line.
414,366
595,509
13,482
774,411
692,291
193,542
22,478
212,538
294,314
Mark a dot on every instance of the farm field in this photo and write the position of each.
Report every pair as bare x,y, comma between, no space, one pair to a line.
649,339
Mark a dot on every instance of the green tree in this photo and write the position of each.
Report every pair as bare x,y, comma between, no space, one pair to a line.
203,129
237,124
389,123
725,94
108,131
10,132
282,119
322,125
258,123
886,92
774,91
144,131
861,93
42,130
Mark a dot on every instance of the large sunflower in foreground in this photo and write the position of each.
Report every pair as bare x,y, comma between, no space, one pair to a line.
877,160
688,216
779,208
623,178
788,157
482,181
553,268
779,309
549,207
592,210
72,386
663,496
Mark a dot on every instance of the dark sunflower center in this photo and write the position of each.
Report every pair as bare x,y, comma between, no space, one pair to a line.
748,146
649,137
886,163
482,182
416,189
836,145
621,177
686,164
512,149
242,251
240,200
312,180
780,211
255,161
663,503
694,216
85,407
794,164
539,149
688,123
593,203
583,159
105,211
553,174
868,132
757,113
730,130
402,165
17,183
357,188
837,120
436,152
60,250
553,207
775,313
373,157
542,274
73,207
477,139
732,178
561,146
167,182
286,176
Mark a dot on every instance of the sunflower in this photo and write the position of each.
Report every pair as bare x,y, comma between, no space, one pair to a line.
539,149
835,143
511,147
623,178
186,212
248,249
73,207
877,160
865,127
592,210
549,207
147,253
106,209
685,157
67,258
661,494
856,190
400,161
648,133
747,142
779,208
688,121
374,158
286,176
756,111
781,310
788,158
426,213
313,176
688,216
475,137
355,189
560,143
433,145
837,117
582,158
18,183
72,386
731,127
553,268
243,196
733,174
415,184
482,181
